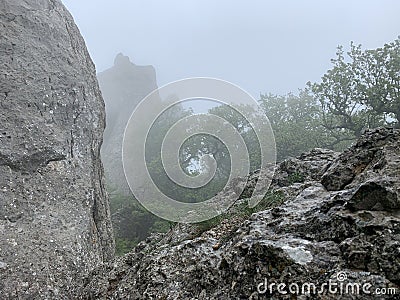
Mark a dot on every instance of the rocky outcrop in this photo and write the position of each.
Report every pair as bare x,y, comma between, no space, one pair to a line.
372,169
330,219
123,86
54,216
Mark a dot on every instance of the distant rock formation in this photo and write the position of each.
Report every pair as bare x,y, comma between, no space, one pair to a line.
123,86
329,217
54,215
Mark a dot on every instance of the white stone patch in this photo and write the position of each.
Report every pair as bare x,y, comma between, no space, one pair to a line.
298,254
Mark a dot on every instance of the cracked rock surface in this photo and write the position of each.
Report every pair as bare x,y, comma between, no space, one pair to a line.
339,222
54,216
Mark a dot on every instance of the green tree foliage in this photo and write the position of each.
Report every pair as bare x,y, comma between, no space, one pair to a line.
244,128
297,123
198,149
360,92
377,77
131,221
202,145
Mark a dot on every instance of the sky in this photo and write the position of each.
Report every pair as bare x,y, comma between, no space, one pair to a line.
262,46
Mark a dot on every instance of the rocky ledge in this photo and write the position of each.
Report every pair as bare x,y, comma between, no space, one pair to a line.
330,219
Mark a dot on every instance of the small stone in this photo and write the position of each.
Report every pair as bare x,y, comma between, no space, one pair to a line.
217,246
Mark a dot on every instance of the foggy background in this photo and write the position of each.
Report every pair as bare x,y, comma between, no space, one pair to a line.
262,46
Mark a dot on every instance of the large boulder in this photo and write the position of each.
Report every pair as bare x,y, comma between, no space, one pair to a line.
54,215
342,232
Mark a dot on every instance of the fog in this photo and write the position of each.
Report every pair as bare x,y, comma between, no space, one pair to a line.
262,46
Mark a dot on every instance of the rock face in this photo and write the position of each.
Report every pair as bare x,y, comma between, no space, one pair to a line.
337,221
123,86
372,168
54,216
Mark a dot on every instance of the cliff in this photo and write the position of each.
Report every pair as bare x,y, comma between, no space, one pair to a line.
328,217
123,86
54,216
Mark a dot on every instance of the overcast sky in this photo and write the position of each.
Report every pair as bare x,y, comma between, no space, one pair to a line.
262,46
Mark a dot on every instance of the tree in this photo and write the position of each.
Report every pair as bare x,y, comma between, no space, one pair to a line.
297,123
132,223
360,93
377,77
243,127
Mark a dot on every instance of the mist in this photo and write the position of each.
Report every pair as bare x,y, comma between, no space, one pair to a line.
287,55
262,46
207,149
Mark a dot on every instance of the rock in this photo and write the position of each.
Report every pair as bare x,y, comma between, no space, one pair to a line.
372,155
54,216
372,169
375,195
308,166
341,229
123,86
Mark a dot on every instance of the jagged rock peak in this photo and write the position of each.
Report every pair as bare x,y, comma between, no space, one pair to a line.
122,60
123,86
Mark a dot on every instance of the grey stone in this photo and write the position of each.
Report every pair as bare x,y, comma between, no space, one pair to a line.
372,152
54,216
312,237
